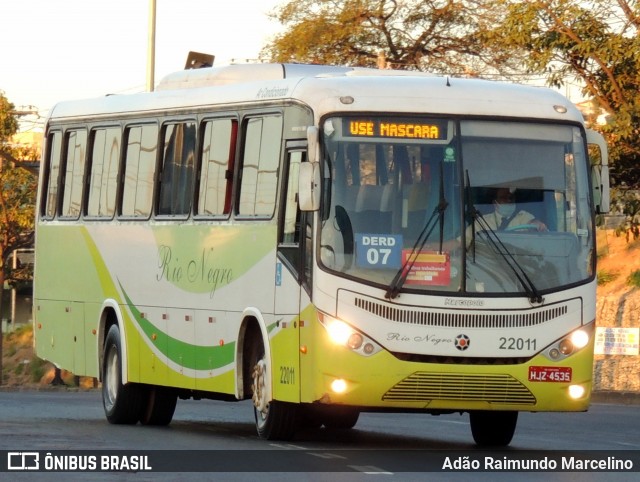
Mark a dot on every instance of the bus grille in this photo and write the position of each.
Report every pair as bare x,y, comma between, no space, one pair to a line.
490,388
461,319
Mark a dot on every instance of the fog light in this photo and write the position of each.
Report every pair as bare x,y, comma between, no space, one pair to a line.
368,348
554,353
339,385
576,391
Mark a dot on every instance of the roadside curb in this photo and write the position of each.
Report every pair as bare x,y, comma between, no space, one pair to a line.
613,397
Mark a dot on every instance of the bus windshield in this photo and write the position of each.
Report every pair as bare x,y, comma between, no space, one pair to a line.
460,206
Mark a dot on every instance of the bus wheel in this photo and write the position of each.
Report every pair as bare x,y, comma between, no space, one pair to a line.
275,420
158,406
341,418
121,402
493,428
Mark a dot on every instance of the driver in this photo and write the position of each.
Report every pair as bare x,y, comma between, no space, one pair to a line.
507,215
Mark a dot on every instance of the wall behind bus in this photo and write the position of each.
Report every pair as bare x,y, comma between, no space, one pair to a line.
618,306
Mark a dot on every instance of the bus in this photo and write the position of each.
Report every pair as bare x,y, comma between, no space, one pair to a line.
311,238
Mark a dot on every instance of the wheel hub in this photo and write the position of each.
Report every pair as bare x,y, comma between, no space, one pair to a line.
260,387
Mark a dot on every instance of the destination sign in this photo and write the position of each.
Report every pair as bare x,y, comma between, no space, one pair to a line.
390,128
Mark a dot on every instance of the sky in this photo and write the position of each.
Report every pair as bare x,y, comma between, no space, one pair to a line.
54,50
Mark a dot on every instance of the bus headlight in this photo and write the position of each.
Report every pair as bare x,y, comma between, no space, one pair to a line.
580,339
339,331
343,334
566,347
570,344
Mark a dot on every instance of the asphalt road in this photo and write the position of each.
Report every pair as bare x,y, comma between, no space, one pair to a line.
221,435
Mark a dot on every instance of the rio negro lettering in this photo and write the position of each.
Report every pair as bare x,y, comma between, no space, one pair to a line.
201,270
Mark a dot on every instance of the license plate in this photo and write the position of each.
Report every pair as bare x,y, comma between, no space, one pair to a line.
550,374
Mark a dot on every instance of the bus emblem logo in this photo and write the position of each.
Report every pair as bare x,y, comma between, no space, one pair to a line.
462,342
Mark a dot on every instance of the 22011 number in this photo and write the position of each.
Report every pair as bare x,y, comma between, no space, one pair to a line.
287,375
517,343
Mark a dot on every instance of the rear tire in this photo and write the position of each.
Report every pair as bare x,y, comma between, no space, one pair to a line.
493,429
158,406
275,420
121,402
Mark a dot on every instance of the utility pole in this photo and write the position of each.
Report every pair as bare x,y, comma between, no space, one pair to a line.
151,47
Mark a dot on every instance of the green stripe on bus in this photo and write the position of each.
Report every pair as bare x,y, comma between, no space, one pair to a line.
182,353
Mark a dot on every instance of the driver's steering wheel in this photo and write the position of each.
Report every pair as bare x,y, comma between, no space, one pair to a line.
522,227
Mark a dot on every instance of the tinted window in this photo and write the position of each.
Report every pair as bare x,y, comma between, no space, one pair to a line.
260,165
140,159
216,170
103,172
74,171
54,149
176,184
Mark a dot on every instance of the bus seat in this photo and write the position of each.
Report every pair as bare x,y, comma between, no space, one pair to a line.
388,206
368,203
417,202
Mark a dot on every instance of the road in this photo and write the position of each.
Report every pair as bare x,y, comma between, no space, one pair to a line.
51,421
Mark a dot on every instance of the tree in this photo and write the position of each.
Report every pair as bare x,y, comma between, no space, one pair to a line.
17,198
440,36
594,43
590,42
8,121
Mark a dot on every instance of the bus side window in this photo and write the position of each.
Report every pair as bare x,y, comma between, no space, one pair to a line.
74,162
51,175
176,181
289,241
216,167
259,168
140,163
103,172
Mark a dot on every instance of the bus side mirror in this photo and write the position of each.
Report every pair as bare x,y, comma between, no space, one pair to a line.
312,144
309,186
599,171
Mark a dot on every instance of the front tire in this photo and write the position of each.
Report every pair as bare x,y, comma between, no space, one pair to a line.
340,418
493,429
275,420
121,403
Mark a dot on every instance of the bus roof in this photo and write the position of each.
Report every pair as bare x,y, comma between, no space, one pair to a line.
333,89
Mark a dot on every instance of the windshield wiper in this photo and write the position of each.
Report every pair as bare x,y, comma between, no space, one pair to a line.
471,213
518,270
405,269
500,248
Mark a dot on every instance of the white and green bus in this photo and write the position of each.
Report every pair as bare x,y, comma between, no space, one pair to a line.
313,238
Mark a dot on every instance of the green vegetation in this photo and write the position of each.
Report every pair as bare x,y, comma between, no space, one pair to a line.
634,279
605,277
37,369
20,363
